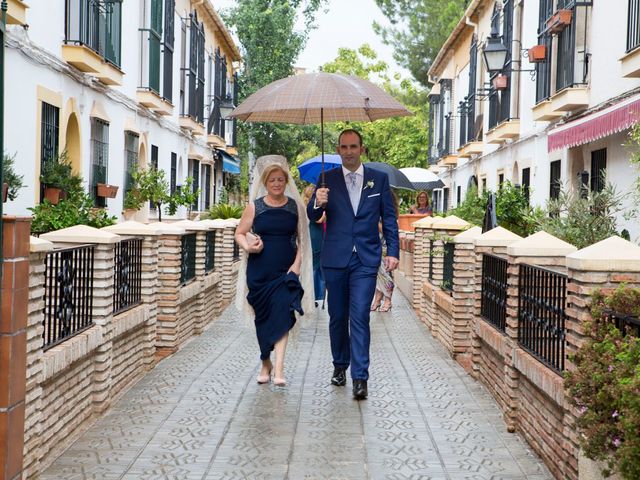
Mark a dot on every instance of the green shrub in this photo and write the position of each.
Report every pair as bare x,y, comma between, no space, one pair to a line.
57,172
9,176
152,186
225,210
605,386
183,196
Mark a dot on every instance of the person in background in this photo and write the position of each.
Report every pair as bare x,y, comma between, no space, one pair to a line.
316,230
384,279
422,205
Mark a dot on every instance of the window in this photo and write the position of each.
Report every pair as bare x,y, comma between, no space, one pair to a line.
216,124
195,173
130,159
633,25
500,179
445,199
468,106
543,69
526,182
183,67
500,100
434,101
483,181
207,187
554,183
458,196
174,173
49,132
155,36
598,169
154,156
169,37
195,70
99,157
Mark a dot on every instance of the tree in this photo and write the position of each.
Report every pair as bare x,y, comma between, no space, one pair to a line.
419,30
270,47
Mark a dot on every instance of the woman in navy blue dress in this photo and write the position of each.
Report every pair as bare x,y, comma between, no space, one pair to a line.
268,232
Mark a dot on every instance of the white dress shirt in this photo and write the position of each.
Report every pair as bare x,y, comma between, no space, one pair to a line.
354,195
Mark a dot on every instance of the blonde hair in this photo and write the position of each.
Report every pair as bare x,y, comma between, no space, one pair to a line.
307,193
269,169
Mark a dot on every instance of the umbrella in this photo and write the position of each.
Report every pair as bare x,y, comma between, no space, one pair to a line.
310,169
319,97
397,179
422,179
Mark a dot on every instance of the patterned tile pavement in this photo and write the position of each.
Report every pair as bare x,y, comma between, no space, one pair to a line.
200,415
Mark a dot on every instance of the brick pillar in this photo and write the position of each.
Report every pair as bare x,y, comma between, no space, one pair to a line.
421,254
228,277
13,343
200,321
464,264
602,266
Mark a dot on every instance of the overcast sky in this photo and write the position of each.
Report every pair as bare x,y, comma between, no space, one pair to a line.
347,23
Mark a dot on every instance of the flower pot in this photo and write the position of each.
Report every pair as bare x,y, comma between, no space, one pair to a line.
106,191
5,192
559,20
406,220
52,194
537,54
500,82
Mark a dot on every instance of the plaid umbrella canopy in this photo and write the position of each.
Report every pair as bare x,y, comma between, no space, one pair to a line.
318,98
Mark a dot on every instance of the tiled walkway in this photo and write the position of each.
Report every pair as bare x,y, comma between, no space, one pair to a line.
200,415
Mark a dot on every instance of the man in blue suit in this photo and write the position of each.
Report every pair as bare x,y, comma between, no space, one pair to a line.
355,198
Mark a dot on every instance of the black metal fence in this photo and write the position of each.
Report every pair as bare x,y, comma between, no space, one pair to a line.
633,25
447,266
430,259
188,258
127,272
236,249
627,324
541,314
68,293
210,251
493,306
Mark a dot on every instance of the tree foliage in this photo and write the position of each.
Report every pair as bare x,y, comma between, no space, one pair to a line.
418,31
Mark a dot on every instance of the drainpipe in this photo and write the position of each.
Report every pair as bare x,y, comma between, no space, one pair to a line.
516,53
3,23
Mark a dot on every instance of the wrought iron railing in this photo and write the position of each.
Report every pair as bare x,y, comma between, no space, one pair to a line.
633,25
68,294
627,324
188,258
431,259
542,297
210,251
97,24
127,273
447,266
236,249
493,306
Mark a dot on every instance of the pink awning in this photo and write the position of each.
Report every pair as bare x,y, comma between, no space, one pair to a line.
613,119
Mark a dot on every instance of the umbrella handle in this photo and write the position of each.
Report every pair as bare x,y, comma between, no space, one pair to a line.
322,182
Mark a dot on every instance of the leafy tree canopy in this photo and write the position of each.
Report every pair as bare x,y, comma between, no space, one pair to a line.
419,28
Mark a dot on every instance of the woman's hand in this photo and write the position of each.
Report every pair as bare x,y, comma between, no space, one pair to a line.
254,243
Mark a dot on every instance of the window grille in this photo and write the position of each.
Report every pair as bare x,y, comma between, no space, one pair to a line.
598,169
99,157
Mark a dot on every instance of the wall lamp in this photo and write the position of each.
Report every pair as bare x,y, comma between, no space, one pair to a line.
495,53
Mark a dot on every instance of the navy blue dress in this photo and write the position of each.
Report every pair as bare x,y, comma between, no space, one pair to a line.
274,294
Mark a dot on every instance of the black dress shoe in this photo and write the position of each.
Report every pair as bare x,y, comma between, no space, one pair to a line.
339,378
360,389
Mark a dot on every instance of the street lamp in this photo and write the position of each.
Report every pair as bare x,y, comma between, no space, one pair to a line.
494,53
226,107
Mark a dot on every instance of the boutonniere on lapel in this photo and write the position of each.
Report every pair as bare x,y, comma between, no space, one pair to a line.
369,184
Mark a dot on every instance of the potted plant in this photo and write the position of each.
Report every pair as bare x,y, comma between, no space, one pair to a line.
559,20
105,190
57,177
11,182
537,53
133,202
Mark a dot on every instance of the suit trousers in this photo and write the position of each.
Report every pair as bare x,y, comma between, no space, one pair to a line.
350,292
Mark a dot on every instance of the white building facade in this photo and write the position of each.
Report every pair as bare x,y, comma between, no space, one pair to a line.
560,117
118,84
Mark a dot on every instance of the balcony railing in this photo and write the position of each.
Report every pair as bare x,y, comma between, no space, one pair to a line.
68,294
188,258
541,314
210,251
97,25
127,272
493,307
430,275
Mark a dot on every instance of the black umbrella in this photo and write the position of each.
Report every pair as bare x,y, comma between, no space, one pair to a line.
397,179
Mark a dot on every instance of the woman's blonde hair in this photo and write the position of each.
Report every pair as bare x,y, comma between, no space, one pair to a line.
269,169
307,193
418,196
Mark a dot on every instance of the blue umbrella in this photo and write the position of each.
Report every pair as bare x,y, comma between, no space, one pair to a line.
310,169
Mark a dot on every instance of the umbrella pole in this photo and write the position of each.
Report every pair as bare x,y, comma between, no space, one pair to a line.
322,184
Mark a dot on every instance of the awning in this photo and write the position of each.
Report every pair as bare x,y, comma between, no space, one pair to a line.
613,119
230,163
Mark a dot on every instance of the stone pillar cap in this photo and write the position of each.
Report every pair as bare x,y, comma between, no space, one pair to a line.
450,223
191,225
425,222
217,223
81,234
131,227
540,244
167,228
614,254
497,237
468,236
39,245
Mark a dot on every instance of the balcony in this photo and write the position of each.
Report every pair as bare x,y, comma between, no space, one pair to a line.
543,112
471,148
188,123
88,61
630,64
155,102
17,12
450,160
215,141
570,99
504,131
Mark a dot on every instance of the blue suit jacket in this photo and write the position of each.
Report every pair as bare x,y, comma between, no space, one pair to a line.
346,229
